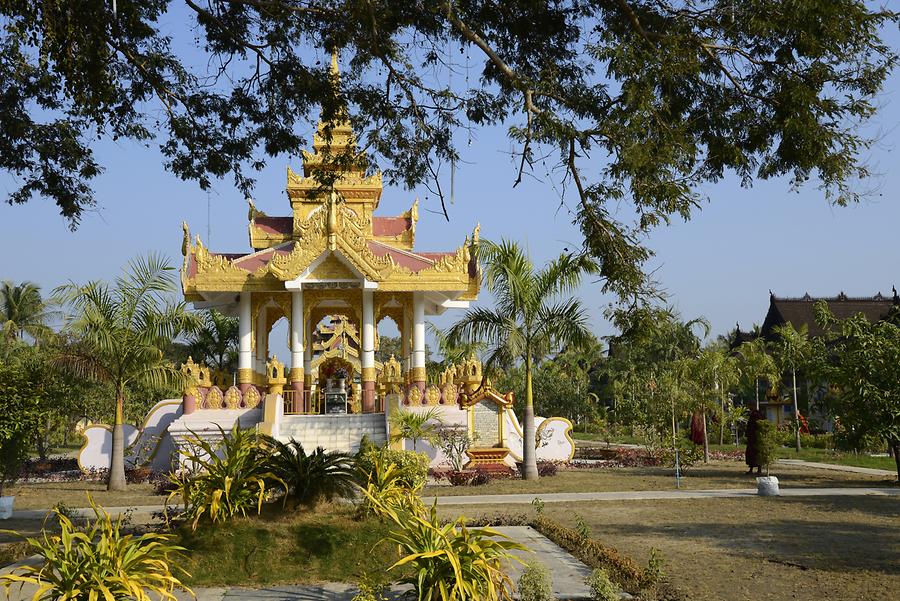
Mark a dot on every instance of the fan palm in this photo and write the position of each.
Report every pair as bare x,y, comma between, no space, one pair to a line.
123,330
23,311
530,319
416,426
215,342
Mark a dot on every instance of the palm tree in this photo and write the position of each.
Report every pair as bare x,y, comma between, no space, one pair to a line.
23,311
792,350
757,364
122,331
416,426
215,342
451,352
530,318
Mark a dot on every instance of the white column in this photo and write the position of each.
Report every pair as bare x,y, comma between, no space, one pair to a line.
405,333
418,327
297,329
261,339
245,340
367,360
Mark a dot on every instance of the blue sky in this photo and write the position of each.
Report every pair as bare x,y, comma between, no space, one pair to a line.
720,265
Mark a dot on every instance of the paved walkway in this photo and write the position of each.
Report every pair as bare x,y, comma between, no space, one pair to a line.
869,471
146,513
574,497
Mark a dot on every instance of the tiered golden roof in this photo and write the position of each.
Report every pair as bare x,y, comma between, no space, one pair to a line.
332,204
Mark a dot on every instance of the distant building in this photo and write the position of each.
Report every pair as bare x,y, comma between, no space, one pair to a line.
799,312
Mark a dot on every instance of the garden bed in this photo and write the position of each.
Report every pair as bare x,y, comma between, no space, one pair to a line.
318,545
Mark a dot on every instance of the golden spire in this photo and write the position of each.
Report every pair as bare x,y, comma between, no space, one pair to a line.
335,71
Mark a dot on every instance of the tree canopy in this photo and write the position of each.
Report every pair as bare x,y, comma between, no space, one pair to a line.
632,102
860,360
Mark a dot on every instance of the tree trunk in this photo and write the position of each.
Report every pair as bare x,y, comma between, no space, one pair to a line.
757,394
796,411
705,439
529,455
117,460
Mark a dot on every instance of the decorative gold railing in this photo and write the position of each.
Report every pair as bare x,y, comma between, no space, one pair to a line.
295,404
314,404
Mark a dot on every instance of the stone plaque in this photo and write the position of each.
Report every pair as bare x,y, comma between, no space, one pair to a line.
487,423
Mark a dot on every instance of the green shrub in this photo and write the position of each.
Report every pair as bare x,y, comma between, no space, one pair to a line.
226,479
816,441
319,476
413,466
602,588
99,562
766,443
13,453
654,571
535,584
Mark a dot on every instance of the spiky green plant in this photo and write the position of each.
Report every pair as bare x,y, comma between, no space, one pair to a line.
98,562
387,487
449,562
314,477
226,479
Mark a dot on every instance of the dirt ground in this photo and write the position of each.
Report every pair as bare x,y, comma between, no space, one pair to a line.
812,549
718,474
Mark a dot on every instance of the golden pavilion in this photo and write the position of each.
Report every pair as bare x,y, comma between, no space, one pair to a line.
330,256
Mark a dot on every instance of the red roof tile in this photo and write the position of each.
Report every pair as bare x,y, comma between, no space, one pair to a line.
390,226
275,225
411,261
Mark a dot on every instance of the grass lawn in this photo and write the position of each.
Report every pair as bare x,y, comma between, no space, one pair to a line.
43,495
718,474
313,545
836,457
597,437
826,548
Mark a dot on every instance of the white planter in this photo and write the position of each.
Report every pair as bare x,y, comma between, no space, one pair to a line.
6,505
767,486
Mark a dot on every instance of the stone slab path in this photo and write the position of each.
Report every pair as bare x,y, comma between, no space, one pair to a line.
567,573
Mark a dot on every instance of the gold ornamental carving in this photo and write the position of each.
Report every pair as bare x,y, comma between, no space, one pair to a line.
414,396
432,395
233,397
251,398
214,399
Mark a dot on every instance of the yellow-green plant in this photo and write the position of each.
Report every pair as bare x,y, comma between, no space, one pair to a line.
98,562
449,562
226,479
388,489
